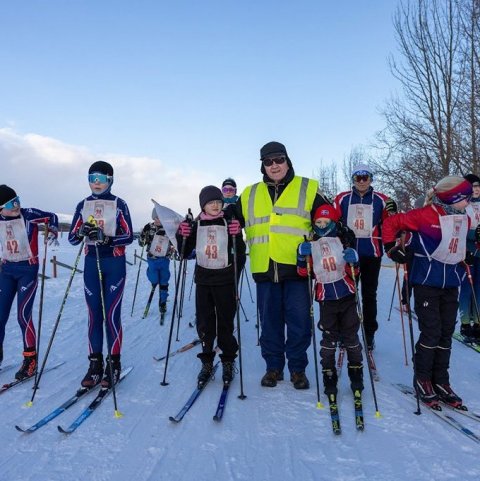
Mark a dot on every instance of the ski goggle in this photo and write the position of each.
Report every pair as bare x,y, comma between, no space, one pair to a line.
228,190
11,204
268,162
361,177
100,178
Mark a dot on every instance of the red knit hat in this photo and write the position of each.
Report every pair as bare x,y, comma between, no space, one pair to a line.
326,211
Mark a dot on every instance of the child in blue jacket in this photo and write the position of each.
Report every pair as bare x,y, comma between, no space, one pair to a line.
103,220
19,273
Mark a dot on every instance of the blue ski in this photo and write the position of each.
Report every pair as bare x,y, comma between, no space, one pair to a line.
104,392
191,400
409,391
57,411
221,403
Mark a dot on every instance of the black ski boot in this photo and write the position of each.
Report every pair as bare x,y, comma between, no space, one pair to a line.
370,338
116,370
476,331
299,380
29,365
447,395
271,377
163,307
205,374
427,394
355,373
228,371
95,370
467,331
330,379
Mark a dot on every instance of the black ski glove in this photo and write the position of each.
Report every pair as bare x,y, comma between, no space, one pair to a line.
391,206
85,229
97,235
469,258
477,233
397,254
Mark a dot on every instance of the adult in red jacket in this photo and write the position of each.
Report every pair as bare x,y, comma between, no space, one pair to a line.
439,239
363,210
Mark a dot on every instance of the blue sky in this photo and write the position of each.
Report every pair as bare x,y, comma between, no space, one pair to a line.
191,88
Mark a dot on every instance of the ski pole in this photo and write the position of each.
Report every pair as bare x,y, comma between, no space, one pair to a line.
237,298
248,284
55,326
474,297
136,283
393,294
150,297
364,339
314,336
401,314
412,346
117,413
243,310
191,288
42,287
175,302
182,296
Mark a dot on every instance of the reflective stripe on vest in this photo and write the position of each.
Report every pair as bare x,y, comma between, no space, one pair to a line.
274,231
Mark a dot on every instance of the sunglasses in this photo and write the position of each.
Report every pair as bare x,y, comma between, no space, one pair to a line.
271,160
228,190
11,204
361,178
100,178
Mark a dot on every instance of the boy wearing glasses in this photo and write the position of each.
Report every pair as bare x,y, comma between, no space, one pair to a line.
103,221
18,276
363,210
212,236
277,213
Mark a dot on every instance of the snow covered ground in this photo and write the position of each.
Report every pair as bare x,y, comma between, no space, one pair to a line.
274,434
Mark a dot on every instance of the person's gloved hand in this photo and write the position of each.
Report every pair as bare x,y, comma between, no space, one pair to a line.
398,255
477,233
350,255
305,249
85,229
52,239
97,235
234,227
469,258
391,206
185,229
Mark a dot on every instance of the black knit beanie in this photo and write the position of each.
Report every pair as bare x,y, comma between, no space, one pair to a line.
472,178
273,148
6,194
229,181
101,167
209,193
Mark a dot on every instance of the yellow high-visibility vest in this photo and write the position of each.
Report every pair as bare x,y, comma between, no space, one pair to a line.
274,231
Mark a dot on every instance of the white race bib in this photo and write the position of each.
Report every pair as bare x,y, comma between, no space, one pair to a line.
159,246
14,240
453,246
212,246
328,263
360,219
105,214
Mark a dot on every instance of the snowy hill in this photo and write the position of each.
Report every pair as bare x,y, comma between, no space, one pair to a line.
274,434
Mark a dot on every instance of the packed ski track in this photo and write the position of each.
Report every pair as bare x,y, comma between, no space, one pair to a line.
273,434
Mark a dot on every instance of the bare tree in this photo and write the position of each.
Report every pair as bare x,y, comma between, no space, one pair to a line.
425,128
327,178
